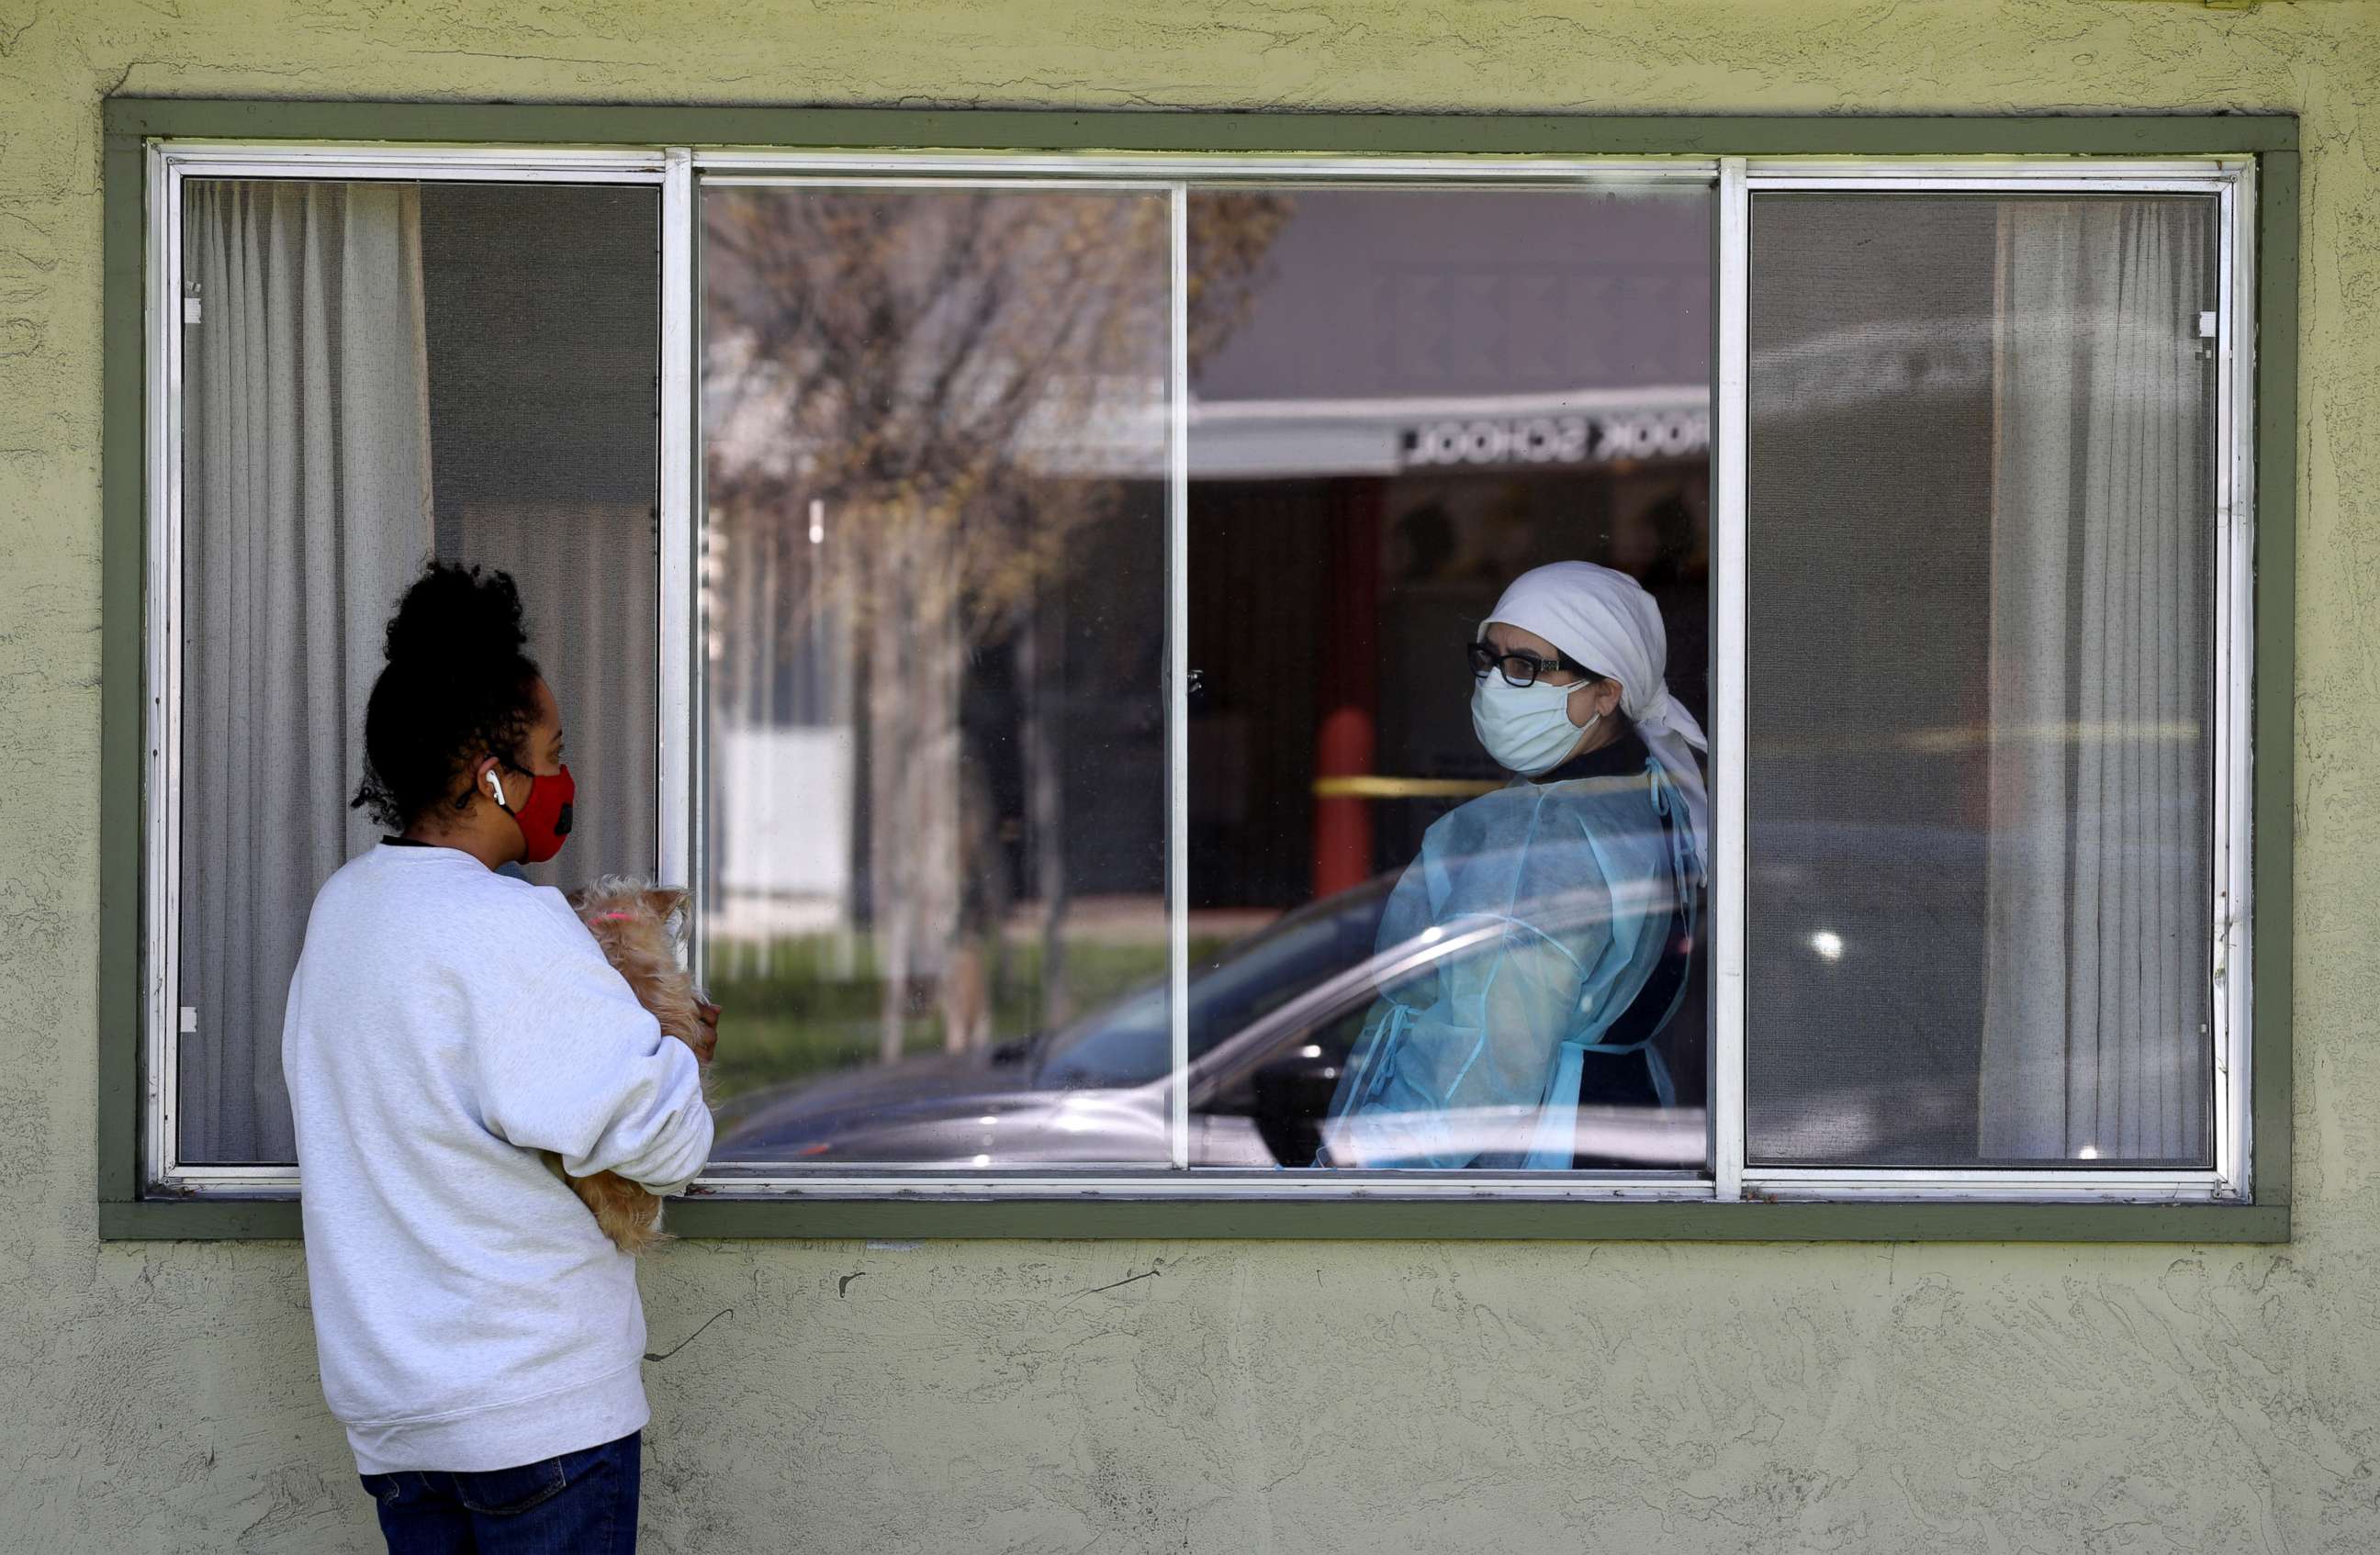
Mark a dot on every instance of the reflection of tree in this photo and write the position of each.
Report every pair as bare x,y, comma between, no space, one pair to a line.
918,398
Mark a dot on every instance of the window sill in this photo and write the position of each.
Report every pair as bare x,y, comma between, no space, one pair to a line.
276,1220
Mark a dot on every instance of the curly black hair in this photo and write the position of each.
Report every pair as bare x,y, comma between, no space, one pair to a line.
458,684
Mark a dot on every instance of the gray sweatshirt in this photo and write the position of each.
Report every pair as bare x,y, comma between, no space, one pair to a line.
445,1025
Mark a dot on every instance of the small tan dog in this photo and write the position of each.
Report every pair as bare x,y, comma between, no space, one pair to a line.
639,927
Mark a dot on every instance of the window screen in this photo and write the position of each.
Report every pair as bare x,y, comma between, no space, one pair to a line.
375,374
1980,533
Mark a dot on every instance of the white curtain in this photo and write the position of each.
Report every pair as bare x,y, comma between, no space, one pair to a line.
2096,993
306,512
589,573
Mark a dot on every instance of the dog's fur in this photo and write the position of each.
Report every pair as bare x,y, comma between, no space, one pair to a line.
639,927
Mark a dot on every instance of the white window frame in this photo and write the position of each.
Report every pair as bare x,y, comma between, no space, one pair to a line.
680,174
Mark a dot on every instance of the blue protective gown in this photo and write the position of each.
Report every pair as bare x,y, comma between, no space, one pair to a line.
1580,880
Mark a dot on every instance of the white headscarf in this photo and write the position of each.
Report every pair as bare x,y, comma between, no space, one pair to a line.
1605,621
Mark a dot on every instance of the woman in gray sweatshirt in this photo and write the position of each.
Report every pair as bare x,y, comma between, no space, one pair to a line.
480,1338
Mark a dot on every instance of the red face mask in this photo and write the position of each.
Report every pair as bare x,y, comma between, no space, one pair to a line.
544,816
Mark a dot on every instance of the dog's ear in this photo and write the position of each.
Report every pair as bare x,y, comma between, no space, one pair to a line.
664,900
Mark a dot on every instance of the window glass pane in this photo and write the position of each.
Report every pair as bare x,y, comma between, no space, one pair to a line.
1980,543
934,707
1403,400
373,373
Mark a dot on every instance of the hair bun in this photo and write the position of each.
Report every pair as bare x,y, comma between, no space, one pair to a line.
457,616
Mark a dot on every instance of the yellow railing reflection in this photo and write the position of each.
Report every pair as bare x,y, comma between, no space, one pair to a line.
1950,739
1365,786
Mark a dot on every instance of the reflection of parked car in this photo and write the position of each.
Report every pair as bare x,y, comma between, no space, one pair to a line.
1271,1020
1865,941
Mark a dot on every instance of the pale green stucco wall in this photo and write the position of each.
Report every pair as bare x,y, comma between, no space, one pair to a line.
1330,1397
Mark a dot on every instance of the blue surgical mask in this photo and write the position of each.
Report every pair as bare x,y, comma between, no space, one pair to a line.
1526,729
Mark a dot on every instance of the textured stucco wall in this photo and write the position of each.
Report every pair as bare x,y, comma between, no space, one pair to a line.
984,1396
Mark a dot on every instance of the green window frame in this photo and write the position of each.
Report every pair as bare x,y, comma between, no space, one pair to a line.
133,124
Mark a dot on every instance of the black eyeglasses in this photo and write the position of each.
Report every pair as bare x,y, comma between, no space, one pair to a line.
1519,669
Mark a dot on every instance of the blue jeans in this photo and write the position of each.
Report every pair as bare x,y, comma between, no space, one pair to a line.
580,1503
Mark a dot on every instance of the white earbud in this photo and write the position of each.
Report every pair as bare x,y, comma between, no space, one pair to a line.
495,790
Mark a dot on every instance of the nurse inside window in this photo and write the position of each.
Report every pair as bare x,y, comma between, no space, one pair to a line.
1574,892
